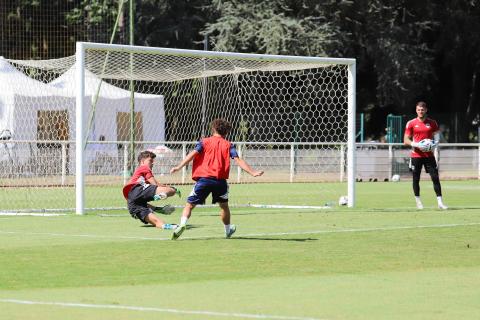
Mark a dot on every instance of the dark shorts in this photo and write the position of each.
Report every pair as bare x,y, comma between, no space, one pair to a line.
138,197
204,186
430,164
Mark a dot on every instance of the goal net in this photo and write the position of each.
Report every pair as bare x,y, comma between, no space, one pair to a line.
291,117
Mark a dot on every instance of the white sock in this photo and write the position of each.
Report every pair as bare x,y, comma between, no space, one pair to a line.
227,228
183,221
417,199
439,200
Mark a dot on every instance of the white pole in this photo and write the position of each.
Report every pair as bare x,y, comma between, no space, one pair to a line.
79,138
184,169
125,163
64,163
342,162
204,92
239,170
351,161
292,161
390,161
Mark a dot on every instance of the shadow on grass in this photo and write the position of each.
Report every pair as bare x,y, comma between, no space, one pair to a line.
190,226
275,239
271,211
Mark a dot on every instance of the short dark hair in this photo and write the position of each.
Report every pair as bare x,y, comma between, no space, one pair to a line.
221,126
421,104
145,155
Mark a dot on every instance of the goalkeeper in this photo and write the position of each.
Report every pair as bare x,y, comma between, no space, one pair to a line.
211,166
143,188
416,131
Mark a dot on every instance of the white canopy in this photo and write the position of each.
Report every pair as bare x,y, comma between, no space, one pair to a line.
27,105
20,99
113,100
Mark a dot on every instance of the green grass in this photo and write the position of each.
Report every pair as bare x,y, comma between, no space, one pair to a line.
382,260
376,195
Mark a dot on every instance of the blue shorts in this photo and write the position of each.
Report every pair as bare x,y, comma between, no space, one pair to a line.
205,186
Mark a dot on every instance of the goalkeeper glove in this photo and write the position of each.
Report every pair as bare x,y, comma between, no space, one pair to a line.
177,192
430,146
415,144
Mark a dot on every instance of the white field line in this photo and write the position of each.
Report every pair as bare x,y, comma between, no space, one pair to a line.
96,236
9,214
155,309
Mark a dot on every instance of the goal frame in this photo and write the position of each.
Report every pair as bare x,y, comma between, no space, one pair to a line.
82,47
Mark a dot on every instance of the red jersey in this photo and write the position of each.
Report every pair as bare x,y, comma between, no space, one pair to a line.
142,172
213,159
421,130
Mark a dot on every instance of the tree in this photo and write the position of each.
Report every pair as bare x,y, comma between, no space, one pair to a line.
272,27
171,23
158,23
35,29
94,20
457,47
387,37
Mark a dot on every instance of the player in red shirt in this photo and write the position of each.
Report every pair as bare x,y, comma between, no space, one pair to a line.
143,188
417,130
211,167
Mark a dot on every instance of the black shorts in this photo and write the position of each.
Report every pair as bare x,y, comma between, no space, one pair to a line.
138,197
430,164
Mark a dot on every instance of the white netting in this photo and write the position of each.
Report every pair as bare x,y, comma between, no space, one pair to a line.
289,118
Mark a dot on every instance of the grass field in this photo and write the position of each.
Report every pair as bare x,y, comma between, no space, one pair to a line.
382,260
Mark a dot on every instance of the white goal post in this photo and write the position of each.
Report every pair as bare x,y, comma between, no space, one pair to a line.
71,128
227,65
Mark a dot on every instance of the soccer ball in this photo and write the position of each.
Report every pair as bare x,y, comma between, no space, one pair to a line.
343,201
395,178
427,145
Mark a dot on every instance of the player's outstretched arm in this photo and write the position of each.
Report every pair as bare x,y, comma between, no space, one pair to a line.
184,162
244,165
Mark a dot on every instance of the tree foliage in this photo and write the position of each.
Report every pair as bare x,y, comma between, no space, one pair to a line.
405,49
457,46
272,27
171,23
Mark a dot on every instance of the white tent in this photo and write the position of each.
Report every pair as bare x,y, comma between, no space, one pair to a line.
22,100
27,105
112,101
21,97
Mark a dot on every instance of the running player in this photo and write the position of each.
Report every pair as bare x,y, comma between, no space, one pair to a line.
211,167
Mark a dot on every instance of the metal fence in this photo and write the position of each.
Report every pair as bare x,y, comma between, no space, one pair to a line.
27,163
382,160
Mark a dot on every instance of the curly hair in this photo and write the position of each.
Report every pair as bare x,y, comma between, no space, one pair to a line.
221,126
145,155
